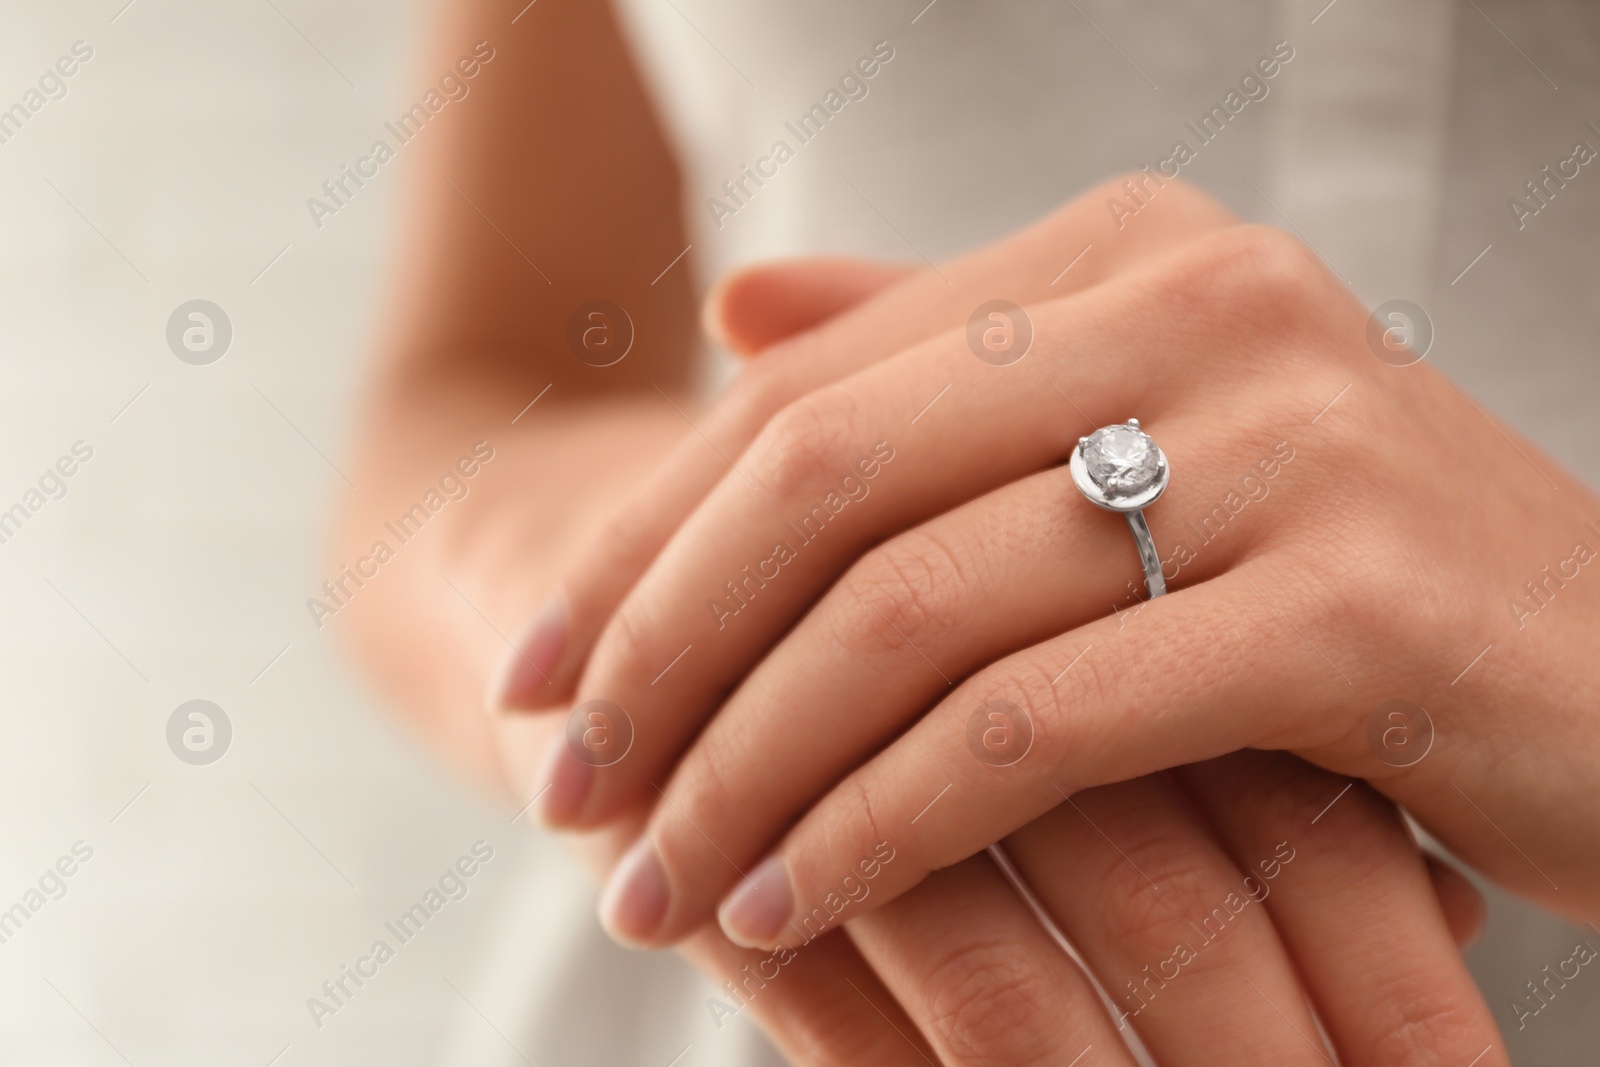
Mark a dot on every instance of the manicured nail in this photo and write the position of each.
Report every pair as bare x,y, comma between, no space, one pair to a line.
563,785
525,677
636,898
756,912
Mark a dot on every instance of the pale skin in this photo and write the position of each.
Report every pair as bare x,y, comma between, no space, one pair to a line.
480,333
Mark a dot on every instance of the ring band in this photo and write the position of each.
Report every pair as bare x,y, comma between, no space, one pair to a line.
1121,468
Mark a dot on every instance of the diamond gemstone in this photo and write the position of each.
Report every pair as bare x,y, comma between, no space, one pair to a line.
1122,460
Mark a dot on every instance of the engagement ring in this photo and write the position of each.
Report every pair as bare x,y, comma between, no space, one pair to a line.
1120,468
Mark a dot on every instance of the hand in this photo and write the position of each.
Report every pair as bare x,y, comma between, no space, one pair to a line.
434,611
1288,628
982,981
1143,892
1213,949
947,983
437,614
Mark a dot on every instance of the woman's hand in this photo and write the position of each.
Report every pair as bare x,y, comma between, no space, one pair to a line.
1340,533
937,949
958,970
1222,939
1214,949
981,981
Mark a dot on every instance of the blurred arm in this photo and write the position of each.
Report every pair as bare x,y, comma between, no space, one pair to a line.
550,184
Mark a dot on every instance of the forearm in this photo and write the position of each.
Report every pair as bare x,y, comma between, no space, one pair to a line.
522,205
518,209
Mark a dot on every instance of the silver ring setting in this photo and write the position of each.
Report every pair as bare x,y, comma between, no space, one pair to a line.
1121,468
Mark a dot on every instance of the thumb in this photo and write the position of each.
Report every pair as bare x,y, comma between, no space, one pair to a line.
758,306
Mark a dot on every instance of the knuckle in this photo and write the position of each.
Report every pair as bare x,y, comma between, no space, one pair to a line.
1389,598
906,588
629,650
1266,260
1089,684
694,813
1157,884
623,542
865,809
1351,622
1290,798
803,445
761,390
1364,838
988,1005
846,825
1429,1022
1252,280
1048,696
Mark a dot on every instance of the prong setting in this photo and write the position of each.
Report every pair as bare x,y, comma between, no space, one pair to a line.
1120,467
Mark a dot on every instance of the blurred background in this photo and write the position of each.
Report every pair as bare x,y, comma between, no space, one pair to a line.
218,896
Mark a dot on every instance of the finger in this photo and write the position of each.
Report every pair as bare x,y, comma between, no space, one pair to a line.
1025,268
748,311
1154,905
980,977
755,308
1192,675
821,1004
932,605
1352,899
1464,908
776,531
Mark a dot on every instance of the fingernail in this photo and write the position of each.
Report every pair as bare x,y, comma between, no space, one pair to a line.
756,912
524,679
636,898
563,783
